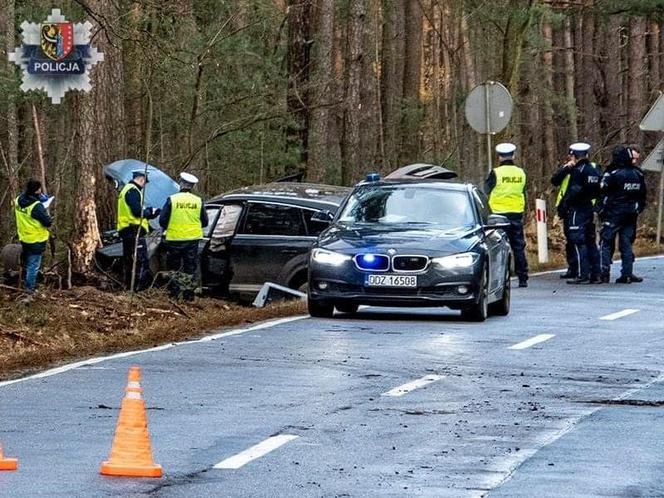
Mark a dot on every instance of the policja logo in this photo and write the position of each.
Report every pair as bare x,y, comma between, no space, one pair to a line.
56,56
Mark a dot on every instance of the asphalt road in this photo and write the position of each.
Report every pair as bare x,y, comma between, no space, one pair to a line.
577,414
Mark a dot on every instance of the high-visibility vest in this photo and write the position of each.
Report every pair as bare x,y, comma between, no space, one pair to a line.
30,230
125,217
508,195
185,221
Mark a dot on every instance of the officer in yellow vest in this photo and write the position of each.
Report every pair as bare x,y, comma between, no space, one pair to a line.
32,223
560,179
133,225
506,188
184,218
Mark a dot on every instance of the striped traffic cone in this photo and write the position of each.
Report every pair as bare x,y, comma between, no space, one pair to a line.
131,453
7,463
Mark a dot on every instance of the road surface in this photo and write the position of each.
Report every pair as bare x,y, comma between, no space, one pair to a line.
562,398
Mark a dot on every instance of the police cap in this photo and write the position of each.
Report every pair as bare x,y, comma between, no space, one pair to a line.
188,178
579,148
505,149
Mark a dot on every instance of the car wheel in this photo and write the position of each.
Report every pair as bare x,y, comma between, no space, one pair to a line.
502,307
479,311
347,308
320,309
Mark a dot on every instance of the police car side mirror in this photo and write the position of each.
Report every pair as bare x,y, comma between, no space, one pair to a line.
497,221
323,217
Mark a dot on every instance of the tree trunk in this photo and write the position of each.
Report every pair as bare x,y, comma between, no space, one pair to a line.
12,121
570,96
351,145
636,105
548,127
298,60
412,82
392,78
322,94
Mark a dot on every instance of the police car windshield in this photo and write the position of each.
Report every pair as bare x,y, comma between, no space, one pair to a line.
408,205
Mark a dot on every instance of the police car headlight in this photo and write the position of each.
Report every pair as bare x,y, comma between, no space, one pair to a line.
463,260
325,257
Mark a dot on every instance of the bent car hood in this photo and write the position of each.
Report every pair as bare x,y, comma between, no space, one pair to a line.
353,239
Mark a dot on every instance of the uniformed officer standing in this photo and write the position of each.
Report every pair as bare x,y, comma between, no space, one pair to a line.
577,210
183,217
32,223
560,179
623,198
506,188
132,225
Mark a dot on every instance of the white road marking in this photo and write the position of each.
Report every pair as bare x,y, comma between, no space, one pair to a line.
257,451
93,361
619,314
411,386
532,341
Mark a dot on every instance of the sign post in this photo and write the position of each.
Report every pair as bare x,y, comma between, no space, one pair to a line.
654,121
542,235
488,111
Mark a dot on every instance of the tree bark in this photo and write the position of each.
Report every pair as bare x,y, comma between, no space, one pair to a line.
548,127
636,105
322,94
412,82
298,59
392,77
351,146
570,74
12,120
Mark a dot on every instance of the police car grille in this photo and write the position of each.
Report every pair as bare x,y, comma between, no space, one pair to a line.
410,263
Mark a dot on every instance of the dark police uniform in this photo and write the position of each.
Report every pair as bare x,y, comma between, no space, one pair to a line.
183,217
506,188
577,210
623,198
132,223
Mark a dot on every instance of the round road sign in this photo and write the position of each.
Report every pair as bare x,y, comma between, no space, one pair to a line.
495,116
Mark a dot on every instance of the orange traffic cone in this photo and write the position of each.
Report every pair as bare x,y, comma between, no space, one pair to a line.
131,454
7,463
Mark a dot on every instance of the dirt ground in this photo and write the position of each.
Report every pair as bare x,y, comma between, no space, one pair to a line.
61,326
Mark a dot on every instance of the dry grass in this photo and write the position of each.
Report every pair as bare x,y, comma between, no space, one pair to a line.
62,326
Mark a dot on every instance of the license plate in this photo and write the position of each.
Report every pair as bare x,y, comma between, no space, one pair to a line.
391,281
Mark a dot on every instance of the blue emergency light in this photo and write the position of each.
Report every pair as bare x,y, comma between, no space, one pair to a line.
373,177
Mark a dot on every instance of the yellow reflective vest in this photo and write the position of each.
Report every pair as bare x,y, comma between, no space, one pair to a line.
125,217
508,196
30,230
184,223
565,185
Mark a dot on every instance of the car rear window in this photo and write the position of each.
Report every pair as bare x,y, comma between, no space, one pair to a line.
273,219
407,204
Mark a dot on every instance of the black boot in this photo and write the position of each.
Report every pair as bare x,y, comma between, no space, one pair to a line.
568,275
634,279
624,279
605,278
579,281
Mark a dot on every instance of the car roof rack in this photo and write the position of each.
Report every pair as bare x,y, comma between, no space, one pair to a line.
422,171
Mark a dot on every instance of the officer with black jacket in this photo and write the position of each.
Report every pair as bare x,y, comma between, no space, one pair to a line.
132,226
622,199
577,210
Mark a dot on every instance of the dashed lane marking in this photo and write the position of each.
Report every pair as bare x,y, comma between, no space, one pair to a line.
256,451
619,314
532,341
411,386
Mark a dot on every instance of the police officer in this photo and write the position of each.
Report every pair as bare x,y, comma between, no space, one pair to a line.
32,223
506,188
577,208
560,179
132,226
183,217
623,198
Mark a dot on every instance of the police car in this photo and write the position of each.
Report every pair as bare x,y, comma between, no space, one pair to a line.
410,242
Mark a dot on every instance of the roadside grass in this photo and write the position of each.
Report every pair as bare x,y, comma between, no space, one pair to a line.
63,326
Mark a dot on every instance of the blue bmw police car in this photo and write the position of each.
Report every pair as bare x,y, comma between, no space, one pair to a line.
412,243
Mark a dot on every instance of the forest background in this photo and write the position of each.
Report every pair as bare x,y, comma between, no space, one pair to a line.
245,91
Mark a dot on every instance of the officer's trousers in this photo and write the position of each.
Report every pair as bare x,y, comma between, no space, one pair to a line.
580,232
624,226
518,245
182,262
128,236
